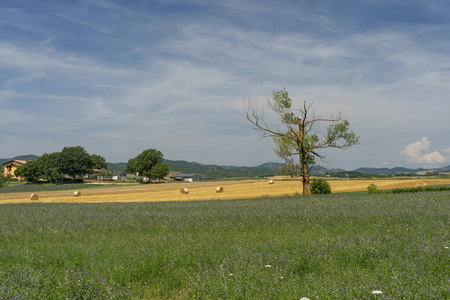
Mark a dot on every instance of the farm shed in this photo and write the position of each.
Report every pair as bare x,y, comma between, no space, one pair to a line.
186,177
11,166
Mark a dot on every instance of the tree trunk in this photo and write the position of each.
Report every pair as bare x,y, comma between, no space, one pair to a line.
306,180
303,159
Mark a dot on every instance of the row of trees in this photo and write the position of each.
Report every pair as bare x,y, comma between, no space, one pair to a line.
75,161
71,161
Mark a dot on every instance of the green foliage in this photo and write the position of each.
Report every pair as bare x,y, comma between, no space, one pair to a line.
373,189
3,182
420,189
160,171
320,186
98,162
30,171
340,246
282,100
144,162
339,132
75,161
49,165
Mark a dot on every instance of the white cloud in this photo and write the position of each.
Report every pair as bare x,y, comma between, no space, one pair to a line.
120,78
414,153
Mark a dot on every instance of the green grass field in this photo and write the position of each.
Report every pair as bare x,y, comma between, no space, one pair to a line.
20,188
340,246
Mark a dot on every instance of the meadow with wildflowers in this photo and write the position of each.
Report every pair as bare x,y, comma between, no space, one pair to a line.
339,246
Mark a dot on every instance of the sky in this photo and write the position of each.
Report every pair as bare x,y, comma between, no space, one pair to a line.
120,77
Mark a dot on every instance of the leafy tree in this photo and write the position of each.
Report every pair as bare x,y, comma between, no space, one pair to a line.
75,161
131,166
301,137
30,171
49,165
98,162
159,171
144,162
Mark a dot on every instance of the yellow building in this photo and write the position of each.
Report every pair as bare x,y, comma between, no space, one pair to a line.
11,166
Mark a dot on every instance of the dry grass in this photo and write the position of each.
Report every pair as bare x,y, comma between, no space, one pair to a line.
207,191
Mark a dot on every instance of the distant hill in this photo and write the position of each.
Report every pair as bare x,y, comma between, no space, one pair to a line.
116,167
22,157
445,169
211,171
393,171
217,171
220,171
264,170
322,171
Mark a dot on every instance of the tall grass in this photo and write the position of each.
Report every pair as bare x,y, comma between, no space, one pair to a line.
341,246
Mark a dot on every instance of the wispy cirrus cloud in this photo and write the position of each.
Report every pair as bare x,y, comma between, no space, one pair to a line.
171,74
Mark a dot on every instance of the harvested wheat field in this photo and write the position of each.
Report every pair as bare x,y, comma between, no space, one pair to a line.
207,191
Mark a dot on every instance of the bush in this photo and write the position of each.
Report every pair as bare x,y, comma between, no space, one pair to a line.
373,189
320,186
2,181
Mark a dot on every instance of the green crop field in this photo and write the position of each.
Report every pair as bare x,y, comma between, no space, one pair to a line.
340,246
20,188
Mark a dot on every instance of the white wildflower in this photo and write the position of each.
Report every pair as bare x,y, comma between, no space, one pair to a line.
268,266
377,292
304,298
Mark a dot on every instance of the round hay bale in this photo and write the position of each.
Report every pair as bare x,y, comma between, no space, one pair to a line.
34,197
77,193
271,182
184,191
219,189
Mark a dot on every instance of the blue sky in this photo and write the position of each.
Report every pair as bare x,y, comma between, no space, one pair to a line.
119,77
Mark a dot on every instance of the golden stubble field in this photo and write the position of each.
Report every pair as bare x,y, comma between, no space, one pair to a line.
206,191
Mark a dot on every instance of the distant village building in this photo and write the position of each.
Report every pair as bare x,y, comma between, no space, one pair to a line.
11,166
186,177
119,176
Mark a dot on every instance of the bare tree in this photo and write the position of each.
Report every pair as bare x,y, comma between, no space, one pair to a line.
301,136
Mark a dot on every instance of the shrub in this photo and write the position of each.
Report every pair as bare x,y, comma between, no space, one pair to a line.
320,186
2,181
373,189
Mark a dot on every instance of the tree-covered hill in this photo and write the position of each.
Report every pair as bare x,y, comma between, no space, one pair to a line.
266,169
217,171
21,157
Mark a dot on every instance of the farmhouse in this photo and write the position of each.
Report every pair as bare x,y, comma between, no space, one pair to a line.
11,166
186,177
